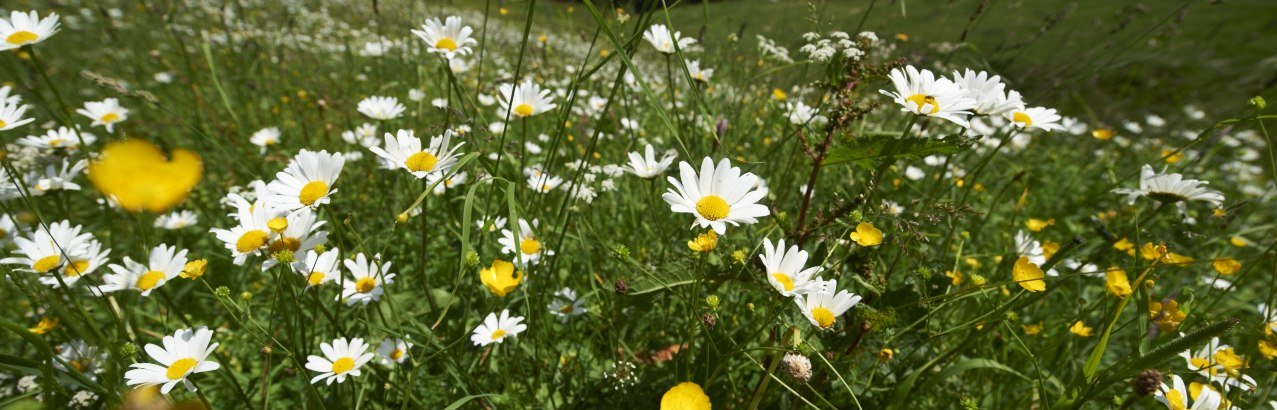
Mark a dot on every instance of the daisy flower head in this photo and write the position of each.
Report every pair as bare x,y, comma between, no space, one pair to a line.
989,92
11,115
1170,188
544,183
183,354
920,92
307,181
404,150
381,108
1041,118
448,37
46,248
393,351
80,357
717,196
297,232
663,39
524,244
22,29
699,74
566,304
265,138
252,232
83,262
524,100
177,220
164,263
341,358
1176,396
823,308
647,165
367,280
496,329
62,138
364,135
318,268
785,270
105,113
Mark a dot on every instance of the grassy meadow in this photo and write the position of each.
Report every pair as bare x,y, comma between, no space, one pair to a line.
548,204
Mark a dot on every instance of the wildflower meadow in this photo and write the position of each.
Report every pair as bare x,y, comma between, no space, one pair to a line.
734,204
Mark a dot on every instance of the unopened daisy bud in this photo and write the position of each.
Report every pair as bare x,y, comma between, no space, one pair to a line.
472,259
222,292
1258,102
709,320
246,295
749,306
128,349
320,248
739,256
194,269
978,280
621,252
621,287
885,354
1147,382
797,366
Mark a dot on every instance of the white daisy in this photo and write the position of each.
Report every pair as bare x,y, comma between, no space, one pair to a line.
544,183
61,138
647,166
318,268
365,135
527,247
80,357
492,225
177,220
990,94
802,114
496,329
7,96
306,182
453,180
566,304
1170,188
1030,248
265,138
1036,117
699,74
381,108
366,281
82,262
106,113
57,178
785,270
449,37
297,232
663,39
393,351
1175,396
26,28
183,354
11,115
920,92
404,151
45,249
165,262
251,233
823,308
9,229
719,195
524,100
341,358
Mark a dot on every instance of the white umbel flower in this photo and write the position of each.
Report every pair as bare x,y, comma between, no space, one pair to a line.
663,39
647,166
404,151
11,115
26,28
306,182
989,92
367,280
448,37
496,329
1170,188
718,196
341,359
823,308
787,272
920,92
164,263
1035,117
183,354
524,100
105,113
381,108
526,246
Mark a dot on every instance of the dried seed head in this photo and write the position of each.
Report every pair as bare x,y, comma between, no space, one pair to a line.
1147,382
797,366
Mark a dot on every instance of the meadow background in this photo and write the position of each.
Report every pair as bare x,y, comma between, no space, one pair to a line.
942,323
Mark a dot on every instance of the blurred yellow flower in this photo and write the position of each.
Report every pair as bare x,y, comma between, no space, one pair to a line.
1116,282
1033,329
1125,245
685,396
137,175
1227,266
1267,349
779,95
885,355
867,235
1102,134
1049,248
1080,329
1028,275
955,275
1238,241
1037,225
46,324
1171,156
500,278
1167,316
705,242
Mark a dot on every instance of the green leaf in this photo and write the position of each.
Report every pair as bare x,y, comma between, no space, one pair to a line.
973,364
867,150
457,404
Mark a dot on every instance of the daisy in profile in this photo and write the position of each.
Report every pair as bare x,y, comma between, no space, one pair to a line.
524,100
989,92
80,263
526,245
182,354
367,280
341,358
177,220
823,308
1176,396
663,39
306,182
318,268
251,233
105,113
496,329
717,196
1170,188
265,138
62,138
297,232
449,37
403,150
381,108
11,115
44,250
1036,117
393,351
566,304
785,270
699,74
920,92
165,262
544,183
647,166
26,28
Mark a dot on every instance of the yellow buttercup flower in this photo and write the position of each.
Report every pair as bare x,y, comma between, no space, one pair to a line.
704,243
1103,134
194,269
1125,245
1033,329
1080,329
779,95
1037,225
1267,349
867,235
1028,275
138,176
1227,266
501,278
46,324
886,354
1116,282
956,276
1166,315
685,396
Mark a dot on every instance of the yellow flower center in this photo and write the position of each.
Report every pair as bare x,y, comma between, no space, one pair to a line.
75,268
312,192
78,365
149,279
530,246
823,317
277,224
292,244
784,280
567,309
180,368
365,284
446,44
110,117
315,278
1199,363
343,365
2,124
498,334
46,263
396,354
1022,118
523,110
421,162
21,37
1175,400
56,142
712,207
251,240
922,100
